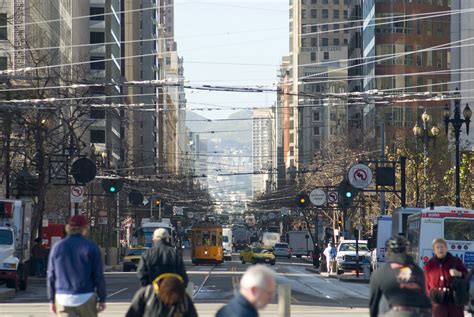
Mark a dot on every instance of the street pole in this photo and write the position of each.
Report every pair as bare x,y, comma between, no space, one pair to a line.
457,132
152,198
425,156
382,158
7,163
403,180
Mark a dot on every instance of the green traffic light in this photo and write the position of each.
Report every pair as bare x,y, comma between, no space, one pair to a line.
112,189
348,194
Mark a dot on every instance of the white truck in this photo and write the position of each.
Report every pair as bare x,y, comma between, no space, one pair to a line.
15,247
300,242
381,233
269,239
227,243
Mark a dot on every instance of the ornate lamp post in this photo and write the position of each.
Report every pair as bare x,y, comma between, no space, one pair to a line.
425,135
457,122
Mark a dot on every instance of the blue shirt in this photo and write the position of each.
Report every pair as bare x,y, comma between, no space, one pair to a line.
75,267
238,307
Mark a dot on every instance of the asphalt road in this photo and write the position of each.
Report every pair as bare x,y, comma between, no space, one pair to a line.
215,286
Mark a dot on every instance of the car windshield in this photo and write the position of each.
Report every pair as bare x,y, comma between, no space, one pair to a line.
135,251
225,239
281,245
6,237
352,247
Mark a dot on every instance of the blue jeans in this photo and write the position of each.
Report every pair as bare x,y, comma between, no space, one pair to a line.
40,267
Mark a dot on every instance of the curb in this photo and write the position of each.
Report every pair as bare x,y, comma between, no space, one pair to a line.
354,280
7,293
315,271
113,268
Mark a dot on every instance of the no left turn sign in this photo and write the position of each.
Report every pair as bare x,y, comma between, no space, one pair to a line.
76,194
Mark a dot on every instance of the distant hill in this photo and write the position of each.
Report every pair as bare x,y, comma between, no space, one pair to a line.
244,136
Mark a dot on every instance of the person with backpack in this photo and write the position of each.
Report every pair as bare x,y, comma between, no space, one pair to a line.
443,273
161,258
330,254
397,288
165,297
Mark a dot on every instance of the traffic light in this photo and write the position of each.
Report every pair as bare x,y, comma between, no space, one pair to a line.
347,193
302,200
157,202
112,186
83,170
25,184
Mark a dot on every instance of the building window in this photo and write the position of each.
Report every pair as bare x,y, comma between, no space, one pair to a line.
335,41
346,16
335,14
408,57
97,37
314,13
314,28
336,1
420,83
316,144
303,13
429,27
408,83
316,116
419,56
326,55
97,136
313,56
325,41
3,63
325,14
3,26
335,27
303,42
97,114
97,63
314,1
429,58
325,27
314,42
325,1
345,41
97,13
316,131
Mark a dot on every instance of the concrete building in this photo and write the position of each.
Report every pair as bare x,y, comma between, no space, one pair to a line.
262,151
462,34
199,159
392,75
318,46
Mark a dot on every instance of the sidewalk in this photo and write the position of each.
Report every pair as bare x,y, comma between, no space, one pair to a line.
6,293
346,277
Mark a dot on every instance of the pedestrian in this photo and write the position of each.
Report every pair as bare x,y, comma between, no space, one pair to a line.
159,259
257,288
316,255
39,255
76,284
440,272
397,288
330,254
166,296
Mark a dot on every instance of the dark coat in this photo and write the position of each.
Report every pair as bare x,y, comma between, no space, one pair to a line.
238,307
146,303
399,282
161,258
437,276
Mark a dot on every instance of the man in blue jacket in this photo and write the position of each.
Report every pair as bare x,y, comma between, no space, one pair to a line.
76,284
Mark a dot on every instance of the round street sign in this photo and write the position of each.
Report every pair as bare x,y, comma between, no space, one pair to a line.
333,197
317,197
190,214
360,176
284,211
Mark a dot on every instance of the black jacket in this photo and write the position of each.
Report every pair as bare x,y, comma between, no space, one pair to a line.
237,307
400,282
161,258
146,303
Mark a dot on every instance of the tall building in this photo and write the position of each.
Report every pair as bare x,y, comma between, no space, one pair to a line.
107,131
388,63
318,46
462,51
262,151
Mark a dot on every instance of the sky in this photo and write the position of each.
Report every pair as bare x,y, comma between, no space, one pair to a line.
231,43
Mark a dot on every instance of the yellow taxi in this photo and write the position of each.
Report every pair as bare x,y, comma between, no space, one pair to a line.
257,255
132,257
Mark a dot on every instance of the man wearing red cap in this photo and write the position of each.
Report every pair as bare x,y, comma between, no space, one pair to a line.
76,284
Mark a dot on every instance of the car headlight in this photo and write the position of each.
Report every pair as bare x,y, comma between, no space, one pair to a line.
10,266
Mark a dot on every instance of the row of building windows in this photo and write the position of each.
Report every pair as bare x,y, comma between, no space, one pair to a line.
303,2
419,84
427,27
431,58
324,42
336,28
430,2
336,14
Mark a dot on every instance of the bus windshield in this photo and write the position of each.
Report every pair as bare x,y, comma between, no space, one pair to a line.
459,229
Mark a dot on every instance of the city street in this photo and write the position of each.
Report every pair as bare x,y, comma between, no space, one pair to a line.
214,286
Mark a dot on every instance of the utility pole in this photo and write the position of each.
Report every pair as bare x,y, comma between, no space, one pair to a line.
382,158
7,163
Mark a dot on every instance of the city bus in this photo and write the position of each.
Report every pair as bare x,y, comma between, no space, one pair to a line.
455,225
206,243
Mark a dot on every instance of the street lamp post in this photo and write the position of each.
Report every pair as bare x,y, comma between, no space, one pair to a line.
457,122
425,135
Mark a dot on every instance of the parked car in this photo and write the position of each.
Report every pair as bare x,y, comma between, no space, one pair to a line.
257,255
131,259
346,255
282,250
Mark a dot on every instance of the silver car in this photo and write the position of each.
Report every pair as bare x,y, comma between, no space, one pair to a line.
282,250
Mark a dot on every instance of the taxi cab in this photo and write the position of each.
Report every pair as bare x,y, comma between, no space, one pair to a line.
132,257
257,255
